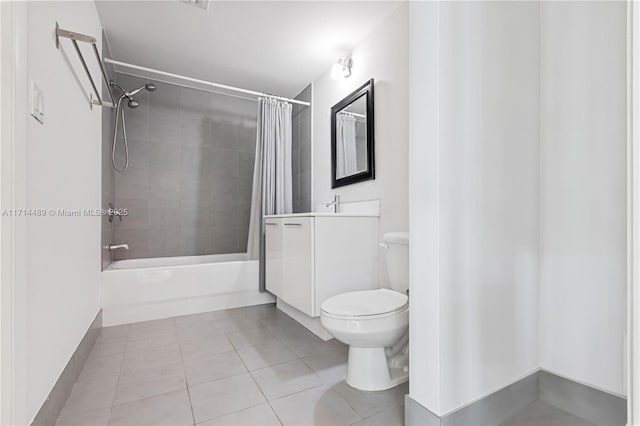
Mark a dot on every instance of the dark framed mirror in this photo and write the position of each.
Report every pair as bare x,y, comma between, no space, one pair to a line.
352,138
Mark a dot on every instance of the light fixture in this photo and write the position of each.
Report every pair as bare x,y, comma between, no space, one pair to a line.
342,68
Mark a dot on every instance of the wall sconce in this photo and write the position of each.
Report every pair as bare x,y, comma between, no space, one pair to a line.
342,68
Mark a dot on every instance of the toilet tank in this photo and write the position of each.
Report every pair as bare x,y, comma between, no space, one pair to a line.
397,260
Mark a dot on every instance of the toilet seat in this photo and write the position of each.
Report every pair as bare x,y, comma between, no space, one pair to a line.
368,303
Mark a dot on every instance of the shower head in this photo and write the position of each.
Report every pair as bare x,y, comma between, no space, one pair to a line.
149,86
132,103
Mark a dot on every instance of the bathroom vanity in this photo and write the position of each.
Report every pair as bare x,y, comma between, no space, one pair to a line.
310,257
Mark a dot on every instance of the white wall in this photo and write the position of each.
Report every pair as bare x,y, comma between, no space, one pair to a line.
382,55
583,187
63,171
518,196
474,199
424,212
14,129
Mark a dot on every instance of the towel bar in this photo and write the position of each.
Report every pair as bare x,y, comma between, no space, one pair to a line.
75,38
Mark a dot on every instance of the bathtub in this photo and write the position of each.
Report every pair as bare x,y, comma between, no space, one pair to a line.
145,289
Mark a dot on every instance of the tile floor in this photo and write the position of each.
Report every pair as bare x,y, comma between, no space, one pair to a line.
246,366
542,414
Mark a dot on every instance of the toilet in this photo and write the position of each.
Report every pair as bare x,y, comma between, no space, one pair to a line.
375,323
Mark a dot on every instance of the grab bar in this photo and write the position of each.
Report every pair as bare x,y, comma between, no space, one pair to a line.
75,38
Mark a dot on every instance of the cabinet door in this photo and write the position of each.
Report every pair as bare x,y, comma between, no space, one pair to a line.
297,257
274,279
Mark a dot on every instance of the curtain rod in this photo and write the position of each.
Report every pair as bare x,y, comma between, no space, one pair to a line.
186,86
204,82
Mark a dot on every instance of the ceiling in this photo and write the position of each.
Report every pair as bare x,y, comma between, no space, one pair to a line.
276,47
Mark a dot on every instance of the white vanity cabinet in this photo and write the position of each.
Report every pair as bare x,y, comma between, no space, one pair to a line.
311,257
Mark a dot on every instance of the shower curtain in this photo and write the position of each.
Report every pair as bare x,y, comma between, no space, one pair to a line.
272,180
347,157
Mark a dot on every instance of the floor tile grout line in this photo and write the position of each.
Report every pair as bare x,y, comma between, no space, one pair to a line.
263,395
184,371
246,408
275,341
274,365
148,397
228,414
275,413
292,393
119,374
312,369
114,395
215,380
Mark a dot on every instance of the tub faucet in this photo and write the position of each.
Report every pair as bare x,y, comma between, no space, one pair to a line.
335,203
113,247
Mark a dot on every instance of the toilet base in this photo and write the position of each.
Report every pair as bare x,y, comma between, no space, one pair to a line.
369,369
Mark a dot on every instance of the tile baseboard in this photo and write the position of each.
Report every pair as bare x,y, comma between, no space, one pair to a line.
52,406
599,407
416,414
591,404
490,410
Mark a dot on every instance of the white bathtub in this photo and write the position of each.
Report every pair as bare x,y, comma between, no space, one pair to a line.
145,289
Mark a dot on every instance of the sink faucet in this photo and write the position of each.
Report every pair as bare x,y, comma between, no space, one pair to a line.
113,247
335,203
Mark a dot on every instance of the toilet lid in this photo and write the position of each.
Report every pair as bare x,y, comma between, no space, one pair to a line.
362,303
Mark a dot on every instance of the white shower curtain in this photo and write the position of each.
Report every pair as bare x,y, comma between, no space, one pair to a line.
272,180
347,156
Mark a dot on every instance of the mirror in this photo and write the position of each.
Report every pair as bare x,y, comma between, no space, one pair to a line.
352,134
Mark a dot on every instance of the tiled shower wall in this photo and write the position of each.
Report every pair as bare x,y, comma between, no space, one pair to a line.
301,153
188,186
108,174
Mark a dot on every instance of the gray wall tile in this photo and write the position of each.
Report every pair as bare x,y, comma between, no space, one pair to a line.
195,103
138,152
164,157
225,214
189,184
138,240
305,192
301,154
132,183
246,161
194,242
164,241
166,99
138,213
225,135
164,185
107,238
165,213
165,126
225,162
137,123
247,138
224,240
197,130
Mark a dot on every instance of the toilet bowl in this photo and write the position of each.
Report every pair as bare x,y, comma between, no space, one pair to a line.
374,323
